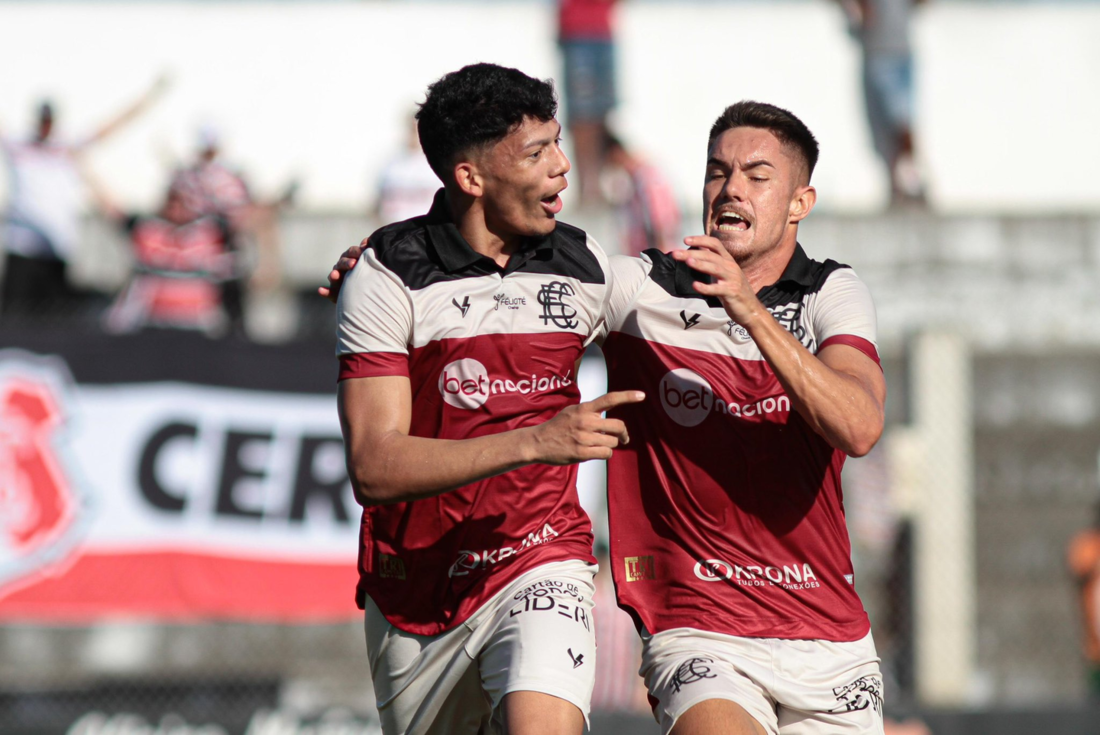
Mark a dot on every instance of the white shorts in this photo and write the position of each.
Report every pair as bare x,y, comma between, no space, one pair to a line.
535,635
793,687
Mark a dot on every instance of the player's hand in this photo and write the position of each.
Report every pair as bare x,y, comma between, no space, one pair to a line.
580,433
346,262
709,256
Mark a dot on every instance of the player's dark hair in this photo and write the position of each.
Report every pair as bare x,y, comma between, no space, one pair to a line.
779,122
475,106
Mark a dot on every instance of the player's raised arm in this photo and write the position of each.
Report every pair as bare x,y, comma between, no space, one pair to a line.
840,392
130,113
386,465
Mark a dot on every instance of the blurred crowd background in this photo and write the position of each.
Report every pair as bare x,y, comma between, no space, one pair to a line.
177,539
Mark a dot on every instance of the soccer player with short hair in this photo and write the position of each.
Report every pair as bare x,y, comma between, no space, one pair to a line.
728,539
459,336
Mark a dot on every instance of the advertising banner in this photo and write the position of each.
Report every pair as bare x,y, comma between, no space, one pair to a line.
169,500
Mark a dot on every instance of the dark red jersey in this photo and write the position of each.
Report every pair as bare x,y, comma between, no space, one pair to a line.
486,350
725,510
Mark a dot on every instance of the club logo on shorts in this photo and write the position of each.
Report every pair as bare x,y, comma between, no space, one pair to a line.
552,297
43,512
691,671
466,384
639,568
577,660
864,692
713,570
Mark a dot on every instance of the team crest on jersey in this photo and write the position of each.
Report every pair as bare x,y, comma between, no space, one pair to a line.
790,318
43,510
554,299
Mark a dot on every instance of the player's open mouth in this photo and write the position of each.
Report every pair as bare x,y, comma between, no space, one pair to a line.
731,222
552,204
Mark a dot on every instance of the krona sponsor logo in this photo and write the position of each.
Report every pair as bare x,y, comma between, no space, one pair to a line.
688,399
466,384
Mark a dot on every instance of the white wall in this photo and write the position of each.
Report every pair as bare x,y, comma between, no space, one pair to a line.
1007,94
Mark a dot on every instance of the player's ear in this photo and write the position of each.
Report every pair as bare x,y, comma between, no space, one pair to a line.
469,179
805,197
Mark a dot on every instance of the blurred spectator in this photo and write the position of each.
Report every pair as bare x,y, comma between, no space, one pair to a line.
882,27
42,227
645,199
586,37
209,188
180,263
408,184
1083,556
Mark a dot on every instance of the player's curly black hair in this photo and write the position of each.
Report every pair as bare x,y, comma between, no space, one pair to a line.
781,123
477,105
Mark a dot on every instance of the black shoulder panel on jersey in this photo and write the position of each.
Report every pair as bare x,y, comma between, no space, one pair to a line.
403,248
802,276
568,257
422,252
676,277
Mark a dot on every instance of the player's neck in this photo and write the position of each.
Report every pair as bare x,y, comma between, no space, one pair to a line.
469,217
768,267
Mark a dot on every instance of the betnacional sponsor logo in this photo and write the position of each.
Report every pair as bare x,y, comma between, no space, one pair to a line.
470,561
639,568
467,384
688,399
43,509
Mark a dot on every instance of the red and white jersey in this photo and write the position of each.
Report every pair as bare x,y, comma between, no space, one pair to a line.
725,509
486,350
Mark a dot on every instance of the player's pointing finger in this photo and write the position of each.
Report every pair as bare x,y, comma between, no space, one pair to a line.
615,398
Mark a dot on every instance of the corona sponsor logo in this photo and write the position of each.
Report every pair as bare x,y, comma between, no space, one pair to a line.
639,568
43,511
466,384
713,570
688,399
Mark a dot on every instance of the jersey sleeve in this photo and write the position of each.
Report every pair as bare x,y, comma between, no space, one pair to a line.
599,326
373,322
845,314
628,276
